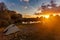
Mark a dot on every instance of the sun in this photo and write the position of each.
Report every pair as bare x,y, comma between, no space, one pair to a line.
54,14
46,16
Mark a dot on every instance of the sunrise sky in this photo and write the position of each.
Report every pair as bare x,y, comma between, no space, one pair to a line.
26,6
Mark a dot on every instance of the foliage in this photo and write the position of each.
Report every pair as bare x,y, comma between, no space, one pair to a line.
8,17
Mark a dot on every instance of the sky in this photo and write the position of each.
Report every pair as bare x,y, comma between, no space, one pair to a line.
25,6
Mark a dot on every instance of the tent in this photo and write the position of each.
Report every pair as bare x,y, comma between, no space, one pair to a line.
11,29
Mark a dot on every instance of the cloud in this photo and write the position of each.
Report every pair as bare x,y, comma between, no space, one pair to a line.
26,0
21,0
1,0
11,4
24,7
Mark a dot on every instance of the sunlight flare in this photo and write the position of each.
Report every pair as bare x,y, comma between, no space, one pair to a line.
54,14
46,16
